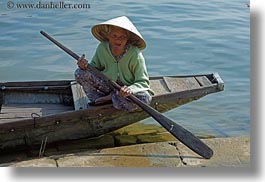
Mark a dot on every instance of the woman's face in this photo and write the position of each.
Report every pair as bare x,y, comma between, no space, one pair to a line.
118,38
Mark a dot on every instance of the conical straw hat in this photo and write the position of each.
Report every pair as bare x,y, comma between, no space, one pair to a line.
100,30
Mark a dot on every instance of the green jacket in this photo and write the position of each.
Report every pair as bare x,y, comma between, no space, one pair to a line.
130,68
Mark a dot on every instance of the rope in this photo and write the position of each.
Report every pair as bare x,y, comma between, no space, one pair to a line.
42,147
34,118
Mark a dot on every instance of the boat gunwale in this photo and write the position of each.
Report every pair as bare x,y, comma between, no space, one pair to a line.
68,82
157,99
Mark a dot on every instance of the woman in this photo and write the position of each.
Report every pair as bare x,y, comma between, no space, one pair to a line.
118,57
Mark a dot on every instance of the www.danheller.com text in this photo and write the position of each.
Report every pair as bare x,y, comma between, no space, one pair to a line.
47,5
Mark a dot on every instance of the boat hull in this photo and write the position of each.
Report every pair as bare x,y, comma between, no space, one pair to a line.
50,122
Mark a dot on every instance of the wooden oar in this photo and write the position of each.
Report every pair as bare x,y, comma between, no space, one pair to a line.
183,135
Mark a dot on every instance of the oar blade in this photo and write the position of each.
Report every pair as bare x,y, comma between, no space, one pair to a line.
187,138
183,135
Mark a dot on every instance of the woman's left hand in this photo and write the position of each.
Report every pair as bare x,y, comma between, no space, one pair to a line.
125,91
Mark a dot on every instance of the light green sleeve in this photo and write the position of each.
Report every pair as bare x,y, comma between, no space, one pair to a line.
141,78
95,62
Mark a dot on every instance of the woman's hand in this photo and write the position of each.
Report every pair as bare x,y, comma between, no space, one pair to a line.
125,91
82,62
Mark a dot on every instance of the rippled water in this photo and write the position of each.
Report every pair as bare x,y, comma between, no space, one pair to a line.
183,37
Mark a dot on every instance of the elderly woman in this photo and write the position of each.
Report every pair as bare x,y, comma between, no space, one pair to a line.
118,56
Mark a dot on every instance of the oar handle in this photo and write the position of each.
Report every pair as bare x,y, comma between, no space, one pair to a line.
71,53
75,56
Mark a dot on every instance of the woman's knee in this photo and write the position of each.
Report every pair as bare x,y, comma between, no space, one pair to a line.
144,96
79,73
82,76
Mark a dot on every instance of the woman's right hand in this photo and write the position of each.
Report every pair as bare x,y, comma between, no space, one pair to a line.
82,62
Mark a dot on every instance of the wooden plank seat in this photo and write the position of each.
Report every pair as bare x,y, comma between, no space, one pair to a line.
79,96
11,112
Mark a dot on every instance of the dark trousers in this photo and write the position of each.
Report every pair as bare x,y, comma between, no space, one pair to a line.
95,88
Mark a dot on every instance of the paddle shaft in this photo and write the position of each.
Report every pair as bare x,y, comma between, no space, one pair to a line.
183,135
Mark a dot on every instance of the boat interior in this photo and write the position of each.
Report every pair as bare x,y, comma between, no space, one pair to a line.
25,100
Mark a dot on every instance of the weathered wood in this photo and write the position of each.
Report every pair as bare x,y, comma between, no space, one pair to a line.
30,97
33,88
187,94
181,84
80,98
1,100
12,112
203,80
159,86
51,83
73,124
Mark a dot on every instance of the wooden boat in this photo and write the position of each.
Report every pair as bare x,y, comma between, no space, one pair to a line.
31,112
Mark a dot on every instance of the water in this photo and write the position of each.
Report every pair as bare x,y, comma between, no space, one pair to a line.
183,37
